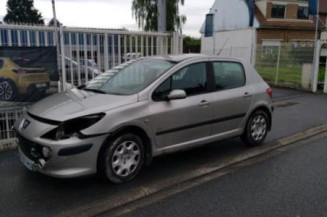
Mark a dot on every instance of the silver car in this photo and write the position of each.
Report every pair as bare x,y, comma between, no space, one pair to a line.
118,122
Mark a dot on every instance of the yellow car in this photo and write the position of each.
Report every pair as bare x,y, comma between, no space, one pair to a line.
15,80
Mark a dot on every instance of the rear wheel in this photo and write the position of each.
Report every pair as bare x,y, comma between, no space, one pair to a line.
8,90
123,158
256,129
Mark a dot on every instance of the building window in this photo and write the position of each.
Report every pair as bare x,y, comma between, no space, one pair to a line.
14,37
41,38
278,11
303,13
50,39
270,47
23,36
4,37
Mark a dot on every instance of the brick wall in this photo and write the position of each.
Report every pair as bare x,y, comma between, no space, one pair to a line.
268,12
291,11
284,35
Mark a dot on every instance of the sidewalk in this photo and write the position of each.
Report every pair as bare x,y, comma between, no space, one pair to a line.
295,111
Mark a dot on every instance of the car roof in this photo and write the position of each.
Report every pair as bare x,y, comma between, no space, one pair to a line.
182,57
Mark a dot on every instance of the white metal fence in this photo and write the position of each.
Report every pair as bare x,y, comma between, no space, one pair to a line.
83,53
7,120
289,64
87,51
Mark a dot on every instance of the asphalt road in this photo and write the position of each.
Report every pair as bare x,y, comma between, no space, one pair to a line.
23,193
290,184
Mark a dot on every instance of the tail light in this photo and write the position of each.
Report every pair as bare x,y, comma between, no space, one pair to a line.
19,71
269,92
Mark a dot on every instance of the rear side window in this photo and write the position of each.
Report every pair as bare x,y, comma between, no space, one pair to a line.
192,79
1,64
228,75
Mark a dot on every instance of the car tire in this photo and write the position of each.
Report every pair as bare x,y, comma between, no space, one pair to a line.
8,90
123,158
256,129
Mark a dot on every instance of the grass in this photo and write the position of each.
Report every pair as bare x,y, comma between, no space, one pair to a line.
289,75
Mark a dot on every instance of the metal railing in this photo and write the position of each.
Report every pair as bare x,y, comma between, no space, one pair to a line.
288,64
8,116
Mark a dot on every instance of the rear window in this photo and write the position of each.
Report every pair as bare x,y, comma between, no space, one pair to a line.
228,75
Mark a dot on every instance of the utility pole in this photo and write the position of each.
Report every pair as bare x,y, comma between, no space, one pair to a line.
162,15
317,20
317,53
57,42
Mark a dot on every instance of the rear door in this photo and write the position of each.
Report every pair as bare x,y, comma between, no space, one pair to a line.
231,97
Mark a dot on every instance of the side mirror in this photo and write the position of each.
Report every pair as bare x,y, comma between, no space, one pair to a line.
176,94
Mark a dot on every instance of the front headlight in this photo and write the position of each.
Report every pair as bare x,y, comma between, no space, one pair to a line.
73,127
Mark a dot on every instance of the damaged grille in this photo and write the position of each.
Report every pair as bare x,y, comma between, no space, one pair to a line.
31,149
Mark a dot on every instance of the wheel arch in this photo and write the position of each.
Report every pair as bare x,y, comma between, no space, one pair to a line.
266,110
128,129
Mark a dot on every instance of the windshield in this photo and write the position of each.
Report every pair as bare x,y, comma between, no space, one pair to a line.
131,79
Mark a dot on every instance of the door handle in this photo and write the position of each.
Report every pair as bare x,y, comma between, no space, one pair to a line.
247,95
204,103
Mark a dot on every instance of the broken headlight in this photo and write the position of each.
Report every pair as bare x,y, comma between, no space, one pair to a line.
73,127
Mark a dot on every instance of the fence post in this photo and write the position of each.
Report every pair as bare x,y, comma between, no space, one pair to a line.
86,71
106,52
316,67
278,63
62,49
325,84
181,44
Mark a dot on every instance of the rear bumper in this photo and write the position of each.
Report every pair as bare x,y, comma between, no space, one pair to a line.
28,83
37,87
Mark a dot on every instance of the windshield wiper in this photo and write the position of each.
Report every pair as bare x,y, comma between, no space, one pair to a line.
95,90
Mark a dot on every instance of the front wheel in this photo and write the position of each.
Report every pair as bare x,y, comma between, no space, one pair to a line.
8,90
256,129
123,158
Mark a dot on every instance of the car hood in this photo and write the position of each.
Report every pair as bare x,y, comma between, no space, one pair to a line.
76,103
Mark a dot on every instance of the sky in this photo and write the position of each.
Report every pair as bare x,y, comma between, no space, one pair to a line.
112,13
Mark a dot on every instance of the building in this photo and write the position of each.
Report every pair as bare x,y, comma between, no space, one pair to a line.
276,22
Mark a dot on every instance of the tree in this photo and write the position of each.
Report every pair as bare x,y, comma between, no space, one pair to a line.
22,11
146,14
51,23
191,45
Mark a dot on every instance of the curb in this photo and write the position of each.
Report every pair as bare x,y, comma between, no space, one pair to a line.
119,201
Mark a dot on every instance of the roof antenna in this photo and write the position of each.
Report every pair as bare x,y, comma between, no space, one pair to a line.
221,49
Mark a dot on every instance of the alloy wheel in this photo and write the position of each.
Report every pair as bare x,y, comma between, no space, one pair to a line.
6,90
126,158
258,127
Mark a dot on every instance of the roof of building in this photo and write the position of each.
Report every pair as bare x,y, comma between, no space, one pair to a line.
229,15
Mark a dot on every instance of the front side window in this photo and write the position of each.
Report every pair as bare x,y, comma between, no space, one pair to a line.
228,75
131,79
303,13
278,11
1,64
192,79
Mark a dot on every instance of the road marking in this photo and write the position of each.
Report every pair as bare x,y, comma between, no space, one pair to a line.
144,195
